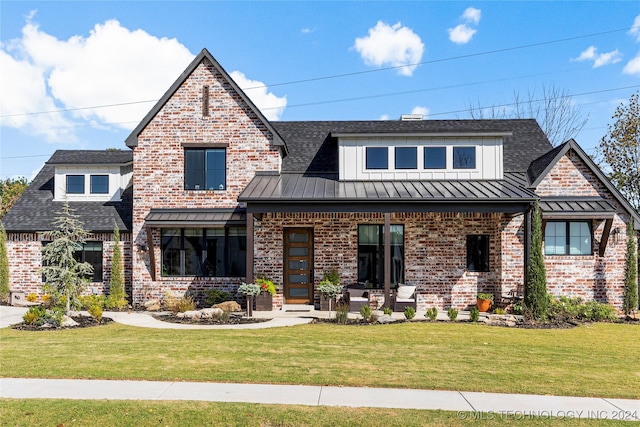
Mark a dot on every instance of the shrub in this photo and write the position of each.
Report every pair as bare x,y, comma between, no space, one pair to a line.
32,297
485,296
96,312
179,305
517,308
474,314
224,316
215,296
499,311
630,302
566,309
88,301
342,313
4,265
38,315
452,313
536,275
409,313
431,313
387,311
117,296
365,312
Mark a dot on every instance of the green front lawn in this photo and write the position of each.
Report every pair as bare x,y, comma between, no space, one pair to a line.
594,360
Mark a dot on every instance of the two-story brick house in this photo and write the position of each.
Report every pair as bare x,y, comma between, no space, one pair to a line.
221,195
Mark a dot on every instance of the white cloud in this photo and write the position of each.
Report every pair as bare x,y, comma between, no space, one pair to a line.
633,66
271,106
635,29
308,30
472,15
395,45
463,33
420,110
599,59
112,65
384,117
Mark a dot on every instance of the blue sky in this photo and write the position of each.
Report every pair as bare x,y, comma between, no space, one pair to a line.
305,61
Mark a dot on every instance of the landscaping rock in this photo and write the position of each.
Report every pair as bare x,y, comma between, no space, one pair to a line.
152,305
502,320
211,313
68,322
228,306
385,318
190,314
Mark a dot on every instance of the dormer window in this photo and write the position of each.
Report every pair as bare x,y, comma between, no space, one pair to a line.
99,184
75,184
377,158
435,157
464,157
406,157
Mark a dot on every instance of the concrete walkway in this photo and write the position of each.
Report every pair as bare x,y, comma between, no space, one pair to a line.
467,404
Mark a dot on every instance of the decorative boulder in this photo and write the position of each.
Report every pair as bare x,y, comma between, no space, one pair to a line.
228,306
152,305
68,322
211,313
385,318
190,314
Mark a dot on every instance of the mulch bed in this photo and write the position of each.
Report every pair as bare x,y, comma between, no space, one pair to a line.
83,322
234,319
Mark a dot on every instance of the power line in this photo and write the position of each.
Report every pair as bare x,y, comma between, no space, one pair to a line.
335,76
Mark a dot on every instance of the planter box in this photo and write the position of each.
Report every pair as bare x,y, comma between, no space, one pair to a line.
264,302
324,304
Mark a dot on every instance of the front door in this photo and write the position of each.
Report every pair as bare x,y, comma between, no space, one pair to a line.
298,265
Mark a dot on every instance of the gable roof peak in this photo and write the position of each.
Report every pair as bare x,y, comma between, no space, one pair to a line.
132,139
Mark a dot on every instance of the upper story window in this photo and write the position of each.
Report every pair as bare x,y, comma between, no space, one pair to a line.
464,157
205,169
567,238
75,184
435,157
377,158
99,184
406,157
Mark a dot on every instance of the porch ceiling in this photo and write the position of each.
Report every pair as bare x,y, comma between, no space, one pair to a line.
294,192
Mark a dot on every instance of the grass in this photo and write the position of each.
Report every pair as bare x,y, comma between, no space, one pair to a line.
593,360
38,412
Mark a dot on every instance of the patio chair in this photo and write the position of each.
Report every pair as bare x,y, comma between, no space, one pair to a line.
404,296
356,296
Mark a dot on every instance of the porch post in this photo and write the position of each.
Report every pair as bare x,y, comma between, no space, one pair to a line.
249,249
387,259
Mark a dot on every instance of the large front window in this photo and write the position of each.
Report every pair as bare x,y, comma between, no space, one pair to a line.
567,238
205,169
210,252
90,252
371,254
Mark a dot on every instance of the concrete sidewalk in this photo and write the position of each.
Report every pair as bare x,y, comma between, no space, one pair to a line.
467,404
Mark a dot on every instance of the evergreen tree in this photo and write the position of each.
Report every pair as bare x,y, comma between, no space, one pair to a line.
536,299
65,277
117,296
4,265
630,304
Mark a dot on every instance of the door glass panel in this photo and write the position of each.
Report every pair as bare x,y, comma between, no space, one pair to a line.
298,265
299,292
298,237
299,251
298,278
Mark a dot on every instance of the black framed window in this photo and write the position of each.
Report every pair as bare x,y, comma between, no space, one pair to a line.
567,238
435,157
90,252
205,169
371,254
377,157
477,252
210,252
75,184
464,157
99,184
406,157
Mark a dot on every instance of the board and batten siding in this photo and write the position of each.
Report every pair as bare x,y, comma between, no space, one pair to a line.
489,155
119,177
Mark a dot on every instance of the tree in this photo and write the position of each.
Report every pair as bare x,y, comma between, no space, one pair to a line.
4,265
630,304
65,277
10,192
559,117
619,151
117,296
536,299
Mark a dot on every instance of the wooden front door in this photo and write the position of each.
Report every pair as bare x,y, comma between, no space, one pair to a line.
298,265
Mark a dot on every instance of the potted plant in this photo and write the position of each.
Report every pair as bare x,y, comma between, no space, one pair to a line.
249,290
264,300
329,291
484,301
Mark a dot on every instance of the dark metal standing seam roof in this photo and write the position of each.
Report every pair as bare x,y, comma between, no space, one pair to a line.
576,208
195,217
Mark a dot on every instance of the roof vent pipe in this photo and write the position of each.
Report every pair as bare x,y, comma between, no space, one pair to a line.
411,117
